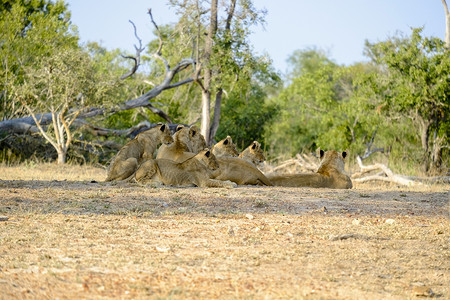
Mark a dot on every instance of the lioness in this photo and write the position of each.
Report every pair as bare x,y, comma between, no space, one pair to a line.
225,147
253,154
239,171
193,171
188,141
137,150
331,174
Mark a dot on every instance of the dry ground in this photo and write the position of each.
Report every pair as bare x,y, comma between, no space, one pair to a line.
64,234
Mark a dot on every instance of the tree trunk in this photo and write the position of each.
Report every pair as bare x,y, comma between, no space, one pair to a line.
218,104
61,156
206,91
436,154
447,24
425,137
216,118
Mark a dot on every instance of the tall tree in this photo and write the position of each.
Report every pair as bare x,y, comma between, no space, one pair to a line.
220,47
416,84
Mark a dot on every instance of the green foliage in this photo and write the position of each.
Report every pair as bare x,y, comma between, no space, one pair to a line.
30,30
244,120
403,97
415,84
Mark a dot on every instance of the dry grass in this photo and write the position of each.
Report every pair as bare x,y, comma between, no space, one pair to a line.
69,234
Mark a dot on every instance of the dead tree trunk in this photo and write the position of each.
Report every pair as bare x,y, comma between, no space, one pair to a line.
447,24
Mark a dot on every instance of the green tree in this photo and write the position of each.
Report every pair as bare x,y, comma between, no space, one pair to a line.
414,82
322,107
219,33
29,30
46,72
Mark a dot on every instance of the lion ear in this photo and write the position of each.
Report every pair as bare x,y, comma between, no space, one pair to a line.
322,153
179,127
254,146
344,154
225,142
208,153
163,127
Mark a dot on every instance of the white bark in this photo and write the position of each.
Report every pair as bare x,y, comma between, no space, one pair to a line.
385,175
447,24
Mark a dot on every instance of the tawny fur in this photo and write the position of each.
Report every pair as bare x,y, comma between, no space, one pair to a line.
188,141
239,171
225,147
331,174
253,154
139,149
193,171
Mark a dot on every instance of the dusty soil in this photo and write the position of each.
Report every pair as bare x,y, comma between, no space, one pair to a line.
64,233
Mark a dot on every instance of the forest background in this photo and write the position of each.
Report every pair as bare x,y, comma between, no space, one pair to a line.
67,101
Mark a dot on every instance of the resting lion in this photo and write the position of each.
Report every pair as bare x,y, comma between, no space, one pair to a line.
239,171
137,150
193,171
225,147
253,154
331,174
188,141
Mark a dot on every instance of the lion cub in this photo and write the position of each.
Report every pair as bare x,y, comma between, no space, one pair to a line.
331,174
188,141
236,169
193,171
253,154
225,147
137,150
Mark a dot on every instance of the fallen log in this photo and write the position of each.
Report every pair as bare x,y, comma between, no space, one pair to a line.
385,174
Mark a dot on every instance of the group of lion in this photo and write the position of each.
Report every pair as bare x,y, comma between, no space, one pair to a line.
183,159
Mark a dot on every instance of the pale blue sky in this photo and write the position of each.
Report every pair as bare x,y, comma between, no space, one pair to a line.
339,27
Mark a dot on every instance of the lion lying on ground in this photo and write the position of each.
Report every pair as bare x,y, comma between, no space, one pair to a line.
240,171
193,171
188,141
234,168
138,150
331,174
225,147
253,154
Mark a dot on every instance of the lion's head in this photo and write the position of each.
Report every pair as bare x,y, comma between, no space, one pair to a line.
207,158
332,160
197,141
225,147
253,153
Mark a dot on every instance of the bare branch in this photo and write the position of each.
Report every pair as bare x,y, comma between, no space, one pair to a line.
158,52
137,59
385,175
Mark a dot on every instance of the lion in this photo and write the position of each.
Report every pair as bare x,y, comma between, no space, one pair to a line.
138,150
188,141
194,171
331,174
253,154
239,171
225,147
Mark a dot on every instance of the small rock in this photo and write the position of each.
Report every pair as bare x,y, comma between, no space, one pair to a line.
423,291
389,221
356,222
162,249
249,216
4,218
324,209
230,230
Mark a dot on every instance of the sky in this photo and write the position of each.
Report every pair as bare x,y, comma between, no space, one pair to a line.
338,27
